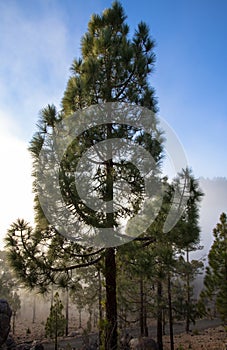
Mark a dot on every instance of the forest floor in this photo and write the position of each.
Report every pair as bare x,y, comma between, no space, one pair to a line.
206,339
200,338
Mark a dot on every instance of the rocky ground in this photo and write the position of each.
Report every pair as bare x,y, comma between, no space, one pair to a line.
208,339
214,338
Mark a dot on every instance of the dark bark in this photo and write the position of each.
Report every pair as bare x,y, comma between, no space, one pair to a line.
34,310
188,301
80,323
159,316
170,314
14,319
145,316
100,307
56,332
52,296
163,322
110,262
67,312
141,308
111,300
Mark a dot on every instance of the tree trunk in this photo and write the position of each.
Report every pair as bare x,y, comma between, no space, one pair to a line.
110,262
188,301
95,319
163,322
170,314
80,323
145,315
56,332
100,307
52,296
34,310
14,319
111,300
159,316
141,308
89,322
67,312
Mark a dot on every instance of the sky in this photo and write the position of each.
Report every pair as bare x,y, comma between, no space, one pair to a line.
39,40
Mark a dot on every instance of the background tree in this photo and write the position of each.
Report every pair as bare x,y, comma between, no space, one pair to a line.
186,235
186,305
55,324
9,288
76,295
161,265
135,272
215,281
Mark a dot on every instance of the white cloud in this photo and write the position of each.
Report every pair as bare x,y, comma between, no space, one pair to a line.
34,67
213,204
15,178
35,64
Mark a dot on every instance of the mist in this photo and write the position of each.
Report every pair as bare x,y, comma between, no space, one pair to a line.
213,204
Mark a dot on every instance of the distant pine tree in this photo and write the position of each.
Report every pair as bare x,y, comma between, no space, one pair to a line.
215,282
55,324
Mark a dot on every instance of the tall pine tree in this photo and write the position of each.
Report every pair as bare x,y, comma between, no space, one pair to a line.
113,67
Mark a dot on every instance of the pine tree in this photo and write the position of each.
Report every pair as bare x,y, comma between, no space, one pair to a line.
186,306
161,262
114,67
189,238
9,287
215,281
55,324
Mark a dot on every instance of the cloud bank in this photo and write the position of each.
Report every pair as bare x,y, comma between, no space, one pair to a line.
15,178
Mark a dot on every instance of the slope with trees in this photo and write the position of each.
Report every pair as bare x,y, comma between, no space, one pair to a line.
114,68
158,264
215,281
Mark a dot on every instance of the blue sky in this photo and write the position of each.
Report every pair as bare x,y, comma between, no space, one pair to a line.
40,38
